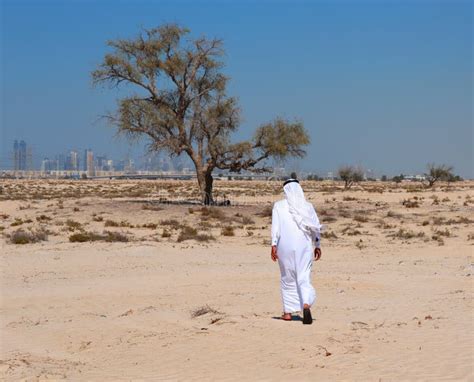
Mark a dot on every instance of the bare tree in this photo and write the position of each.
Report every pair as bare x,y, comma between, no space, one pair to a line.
180,105
438,172
350,175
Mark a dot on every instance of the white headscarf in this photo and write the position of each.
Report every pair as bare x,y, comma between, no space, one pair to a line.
302,211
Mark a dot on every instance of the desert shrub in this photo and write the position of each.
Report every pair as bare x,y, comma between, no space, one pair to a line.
166,233
213,213
17,222
246,220
328,235
392,214
406,234
227,231
445,233
250,233
408,203
76,209
23,237
98,218
348,198
201,311
351,231
2,228
190,233
329,219
73,225
172,223
107,236
350,175
266,212
384,225
361,218
43,218
150,225
81,237
470,236
114,237
425,223
152,207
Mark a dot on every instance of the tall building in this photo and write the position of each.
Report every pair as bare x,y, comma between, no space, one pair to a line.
89,159
20,158
16,156
72,161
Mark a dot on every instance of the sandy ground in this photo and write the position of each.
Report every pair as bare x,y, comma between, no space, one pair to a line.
389,306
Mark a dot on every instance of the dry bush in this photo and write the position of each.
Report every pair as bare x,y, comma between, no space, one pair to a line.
351,231
23,237
17,222
73,225
470,236
445,233
384,225
166,233
76,209
190,233
151,207
328,235
172,223
266,212
349,199
408,203
395,215
201,311
361,218
43,218
406,234
213,213
107,236
149,225
227,231
98,218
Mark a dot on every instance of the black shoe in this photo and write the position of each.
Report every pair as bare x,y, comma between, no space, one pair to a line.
307,318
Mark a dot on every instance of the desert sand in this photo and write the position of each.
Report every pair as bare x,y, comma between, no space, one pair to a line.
154,299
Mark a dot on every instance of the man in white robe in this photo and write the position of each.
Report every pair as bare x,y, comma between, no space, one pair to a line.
296,234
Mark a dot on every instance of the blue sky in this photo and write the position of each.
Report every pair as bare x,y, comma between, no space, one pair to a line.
382,84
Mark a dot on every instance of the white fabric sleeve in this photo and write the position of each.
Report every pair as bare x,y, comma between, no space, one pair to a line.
275,226
317,236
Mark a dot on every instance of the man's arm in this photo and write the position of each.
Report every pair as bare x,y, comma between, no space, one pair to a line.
275,233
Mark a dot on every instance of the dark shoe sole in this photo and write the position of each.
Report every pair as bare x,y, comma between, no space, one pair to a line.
307,318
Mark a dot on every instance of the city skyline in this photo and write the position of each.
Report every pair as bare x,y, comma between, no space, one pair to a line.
387,87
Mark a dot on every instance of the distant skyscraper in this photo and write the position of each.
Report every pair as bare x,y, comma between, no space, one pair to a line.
20,158
90,163
16,156
72,161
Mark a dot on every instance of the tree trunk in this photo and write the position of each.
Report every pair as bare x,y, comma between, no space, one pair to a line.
205,181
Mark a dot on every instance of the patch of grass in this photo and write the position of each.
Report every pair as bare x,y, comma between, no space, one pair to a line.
190,233
73,225
43,218
266,212
361,218
213,213
17,222
328,235
172,223
23,237
406,234
445,233
107,236
351,231
227,231
149,225
408,203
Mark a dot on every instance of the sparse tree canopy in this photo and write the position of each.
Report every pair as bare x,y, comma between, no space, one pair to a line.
438,172
180,104
350,175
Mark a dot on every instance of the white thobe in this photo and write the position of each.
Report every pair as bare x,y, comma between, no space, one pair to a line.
295,251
